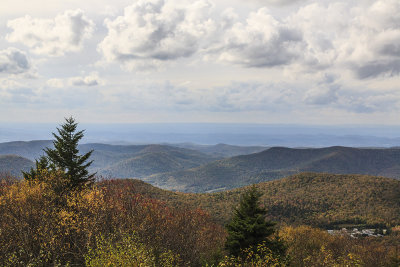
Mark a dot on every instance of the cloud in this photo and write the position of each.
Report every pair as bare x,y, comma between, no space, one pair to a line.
14,61
55,83
364,39
318,36
92,79
277,2
311,38
322,95
261,42
53,37
154,31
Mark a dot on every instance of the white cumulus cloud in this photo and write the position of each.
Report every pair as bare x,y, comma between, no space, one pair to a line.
152,31
262,41
54,37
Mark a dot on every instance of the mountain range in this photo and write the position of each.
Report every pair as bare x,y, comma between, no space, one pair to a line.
278,162
199,168
125,161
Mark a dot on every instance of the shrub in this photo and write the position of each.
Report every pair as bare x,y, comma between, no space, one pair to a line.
259,256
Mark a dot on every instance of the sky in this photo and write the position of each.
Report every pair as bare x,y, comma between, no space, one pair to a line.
311,62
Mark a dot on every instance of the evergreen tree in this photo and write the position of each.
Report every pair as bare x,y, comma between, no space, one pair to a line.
248,226
65,155
41,164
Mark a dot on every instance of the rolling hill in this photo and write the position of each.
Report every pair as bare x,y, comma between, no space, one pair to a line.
279,162
120,161
150,159
13,164
318,199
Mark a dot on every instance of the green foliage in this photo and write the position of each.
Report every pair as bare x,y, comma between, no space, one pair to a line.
258,256
65,155
128,251
248,226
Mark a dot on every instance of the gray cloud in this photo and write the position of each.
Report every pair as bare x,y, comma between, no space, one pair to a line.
322,95
14,61
374,69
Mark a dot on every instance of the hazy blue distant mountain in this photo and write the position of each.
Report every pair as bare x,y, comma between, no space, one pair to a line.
13,164
278,162
222,150
120,161
31,149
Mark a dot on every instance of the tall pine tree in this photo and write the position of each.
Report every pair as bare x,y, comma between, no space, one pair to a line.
248,226
65,155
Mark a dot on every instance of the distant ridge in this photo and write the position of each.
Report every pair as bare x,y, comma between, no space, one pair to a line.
120,161
12,164
278,162
149,159
222,150
27,149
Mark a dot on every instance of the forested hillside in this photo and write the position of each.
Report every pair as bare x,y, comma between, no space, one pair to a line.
323,200
279,162
140,161
119,221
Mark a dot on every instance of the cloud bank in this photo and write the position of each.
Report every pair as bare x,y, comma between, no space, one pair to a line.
315,37
287,57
